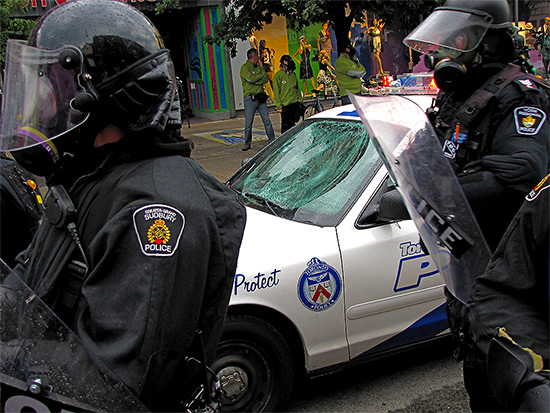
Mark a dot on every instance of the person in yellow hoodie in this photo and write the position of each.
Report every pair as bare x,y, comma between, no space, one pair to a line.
287,93
348,72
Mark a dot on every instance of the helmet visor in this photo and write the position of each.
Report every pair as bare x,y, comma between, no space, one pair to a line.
36,106
452,29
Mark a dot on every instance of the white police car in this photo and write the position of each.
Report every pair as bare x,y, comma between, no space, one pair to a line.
322,280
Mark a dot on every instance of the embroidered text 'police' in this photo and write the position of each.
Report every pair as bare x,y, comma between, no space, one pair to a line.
529,120
158,228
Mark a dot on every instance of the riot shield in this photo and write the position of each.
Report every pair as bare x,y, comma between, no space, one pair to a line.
44,366
412,153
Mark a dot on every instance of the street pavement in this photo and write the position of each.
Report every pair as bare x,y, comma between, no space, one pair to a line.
223,159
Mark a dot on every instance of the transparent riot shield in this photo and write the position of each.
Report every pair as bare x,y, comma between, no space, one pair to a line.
43,365
412,153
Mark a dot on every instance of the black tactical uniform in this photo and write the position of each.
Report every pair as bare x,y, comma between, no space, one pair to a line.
511,302
502,111
161,238
20,209
491,118
145,258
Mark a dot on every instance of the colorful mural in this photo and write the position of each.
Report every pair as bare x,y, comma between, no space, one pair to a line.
207,67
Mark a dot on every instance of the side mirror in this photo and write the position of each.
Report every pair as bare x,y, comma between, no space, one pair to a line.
387,206
392,207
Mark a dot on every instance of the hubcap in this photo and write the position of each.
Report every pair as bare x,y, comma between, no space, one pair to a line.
234,383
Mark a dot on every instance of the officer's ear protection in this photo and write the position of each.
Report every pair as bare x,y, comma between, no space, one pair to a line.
71,58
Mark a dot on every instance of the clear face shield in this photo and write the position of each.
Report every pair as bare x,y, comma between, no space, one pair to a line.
40,87
454,31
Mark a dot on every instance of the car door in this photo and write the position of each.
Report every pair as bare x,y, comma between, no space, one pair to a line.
394,294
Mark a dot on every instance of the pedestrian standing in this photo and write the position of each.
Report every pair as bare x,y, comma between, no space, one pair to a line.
253,77
287,93
348,72
138,246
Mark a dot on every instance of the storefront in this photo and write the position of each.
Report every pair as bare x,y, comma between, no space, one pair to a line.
204,69
211,76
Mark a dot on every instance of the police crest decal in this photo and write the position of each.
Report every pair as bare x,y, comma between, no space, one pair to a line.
158,228
319,286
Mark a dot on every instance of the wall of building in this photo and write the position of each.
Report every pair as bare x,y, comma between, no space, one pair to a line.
208,74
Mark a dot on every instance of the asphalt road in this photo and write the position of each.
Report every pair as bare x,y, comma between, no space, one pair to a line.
424,380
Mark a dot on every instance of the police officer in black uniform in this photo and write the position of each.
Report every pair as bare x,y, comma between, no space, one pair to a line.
508,312
491,118
490,114
138,248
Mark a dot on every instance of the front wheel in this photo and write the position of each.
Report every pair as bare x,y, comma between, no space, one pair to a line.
254,366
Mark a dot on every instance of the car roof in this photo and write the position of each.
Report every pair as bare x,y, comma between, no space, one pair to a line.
348,112
340,112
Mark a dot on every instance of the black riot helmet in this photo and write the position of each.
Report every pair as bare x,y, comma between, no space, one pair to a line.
461,34
86,64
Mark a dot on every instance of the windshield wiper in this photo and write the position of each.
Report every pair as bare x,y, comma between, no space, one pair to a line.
266,202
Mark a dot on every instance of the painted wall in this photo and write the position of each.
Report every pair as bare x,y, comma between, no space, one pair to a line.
208,78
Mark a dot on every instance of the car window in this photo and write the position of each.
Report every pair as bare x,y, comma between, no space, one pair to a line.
312,174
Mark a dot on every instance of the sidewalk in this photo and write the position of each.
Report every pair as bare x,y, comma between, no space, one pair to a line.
218,143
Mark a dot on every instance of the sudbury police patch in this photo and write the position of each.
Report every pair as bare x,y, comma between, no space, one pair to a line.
529,120
319,286
158,228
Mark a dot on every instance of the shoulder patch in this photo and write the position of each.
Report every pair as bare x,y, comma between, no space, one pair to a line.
527,83
158,228
529,120
544,184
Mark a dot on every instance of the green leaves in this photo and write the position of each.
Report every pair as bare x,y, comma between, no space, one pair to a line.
12,27
241,17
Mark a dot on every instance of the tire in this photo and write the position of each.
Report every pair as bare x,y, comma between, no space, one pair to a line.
254,366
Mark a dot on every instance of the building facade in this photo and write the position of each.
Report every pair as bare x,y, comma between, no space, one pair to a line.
211,76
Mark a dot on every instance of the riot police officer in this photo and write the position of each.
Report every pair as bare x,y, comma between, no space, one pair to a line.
490,113
508,312
491,119
138,247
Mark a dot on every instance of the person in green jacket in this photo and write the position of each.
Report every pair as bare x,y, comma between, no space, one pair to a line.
348,72
253,78
287,93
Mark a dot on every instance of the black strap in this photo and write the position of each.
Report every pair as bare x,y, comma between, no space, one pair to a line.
472,115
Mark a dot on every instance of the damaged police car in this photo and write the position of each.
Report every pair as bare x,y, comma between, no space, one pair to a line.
326,276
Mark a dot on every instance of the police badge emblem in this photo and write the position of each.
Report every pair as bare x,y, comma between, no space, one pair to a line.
319,286
529,120
158,228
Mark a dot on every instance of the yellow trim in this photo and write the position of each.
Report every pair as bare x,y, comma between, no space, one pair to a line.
43,137
537,359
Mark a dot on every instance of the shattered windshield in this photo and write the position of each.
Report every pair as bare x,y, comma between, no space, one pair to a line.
313,174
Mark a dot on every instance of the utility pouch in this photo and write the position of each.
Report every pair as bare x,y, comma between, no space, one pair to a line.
260,97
